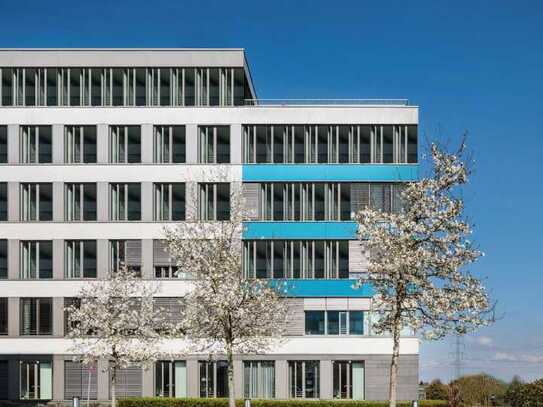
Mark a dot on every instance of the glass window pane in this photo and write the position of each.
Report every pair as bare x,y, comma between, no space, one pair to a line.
356,322
314,323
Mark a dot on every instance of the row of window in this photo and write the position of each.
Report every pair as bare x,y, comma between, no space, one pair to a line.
163,86
261,144
292,259
170,379
80,202
330,144
299,201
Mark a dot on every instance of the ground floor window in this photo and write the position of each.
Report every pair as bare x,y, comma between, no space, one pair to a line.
80,381
348,379
36,378
259,379
213,378
304,379
171,379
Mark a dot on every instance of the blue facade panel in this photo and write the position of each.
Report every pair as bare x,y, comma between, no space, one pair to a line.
329,172
325,288
300,230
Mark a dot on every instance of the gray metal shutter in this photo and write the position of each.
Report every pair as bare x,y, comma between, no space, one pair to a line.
76,381
161,257
397,198
360,196
129,382
172,308
296,317
133,253
358,259
250,195
4,376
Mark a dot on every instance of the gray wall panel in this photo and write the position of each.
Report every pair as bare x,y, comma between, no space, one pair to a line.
13,143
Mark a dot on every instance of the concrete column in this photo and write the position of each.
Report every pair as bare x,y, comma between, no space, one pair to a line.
191,143
58,143
102,258
58,316
13,201
58,201
13,259
235,143
13,143
58,377
147,201
147,383
192,378
13,316
147,143
102,201
326,379
147,258
102,144
58,259
238,379
102,380
281,379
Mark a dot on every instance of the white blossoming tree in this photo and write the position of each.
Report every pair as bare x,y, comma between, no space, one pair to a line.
116,320
418,258
224,314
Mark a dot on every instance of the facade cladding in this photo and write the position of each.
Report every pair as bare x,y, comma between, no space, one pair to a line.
101,149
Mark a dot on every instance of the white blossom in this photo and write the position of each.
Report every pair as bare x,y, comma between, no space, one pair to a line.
224,314
418,258
116,320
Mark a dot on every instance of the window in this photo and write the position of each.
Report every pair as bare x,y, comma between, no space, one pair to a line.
125,202
385,197
37,202
169,144
125,253
214,201
36,259
169,202
304,201
3,258
164,265
333,322
412,144
80,202
3,201
125,144
259,379
348,379
306,259
3,316
80,381
171,379
214,145
80,259
36,144
129,382
213,378
3,144
36,316
79,144
303,379
36,379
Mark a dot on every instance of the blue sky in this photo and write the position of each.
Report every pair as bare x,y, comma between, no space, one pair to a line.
470,65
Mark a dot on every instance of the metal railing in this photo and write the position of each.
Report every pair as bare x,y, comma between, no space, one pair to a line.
326,102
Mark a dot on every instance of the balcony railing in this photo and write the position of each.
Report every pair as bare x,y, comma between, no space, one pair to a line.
325,102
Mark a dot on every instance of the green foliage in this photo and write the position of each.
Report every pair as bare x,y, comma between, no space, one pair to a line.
212,402
437,390
479,389
513,395
525,394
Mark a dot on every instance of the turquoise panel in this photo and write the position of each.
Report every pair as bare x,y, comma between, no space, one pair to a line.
324,288
300,230
329,172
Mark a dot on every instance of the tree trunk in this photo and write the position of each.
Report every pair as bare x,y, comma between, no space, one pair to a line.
113,383
394,363
231,395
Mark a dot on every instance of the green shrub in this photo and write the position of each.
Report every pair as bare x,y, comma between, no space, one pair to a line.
212,402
